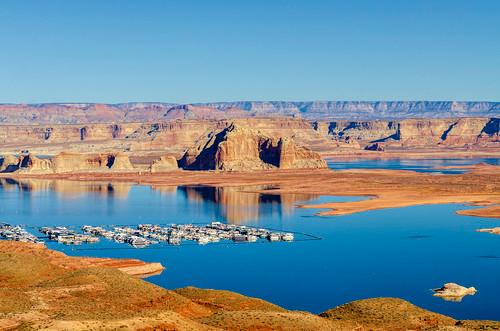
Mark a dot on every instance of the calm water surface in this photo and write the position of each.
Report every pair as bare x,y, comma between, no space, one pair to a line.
419,165
394,252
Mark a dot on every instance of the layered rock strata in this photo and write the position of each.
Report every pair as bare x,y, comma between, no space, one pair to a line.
240,148
164,164
67,162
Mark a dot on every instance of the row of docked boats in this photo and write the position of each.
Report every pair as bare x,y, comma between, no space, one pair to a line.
120,234
211,233
66,236
144,235
17,233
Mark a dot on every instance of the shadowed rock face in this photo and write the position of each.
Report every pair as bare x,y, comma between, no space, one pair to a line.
239,148
9,163
416,132
33,164
175,136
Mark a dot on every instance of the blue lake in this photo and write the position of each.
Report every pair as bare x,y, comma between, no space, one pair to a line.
394,252
419,165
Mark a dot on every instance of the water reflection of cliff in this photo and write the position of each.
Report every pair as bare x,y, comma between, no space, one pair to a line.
236,204
243,204
67,188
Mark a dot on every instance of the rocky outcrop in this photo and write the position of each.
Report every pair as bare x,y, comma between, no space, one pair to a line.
164,164
454,292
233,148
416,132
377,147
490,230
9,163
32,164
68,162
239,148
297,157
77,162
120,162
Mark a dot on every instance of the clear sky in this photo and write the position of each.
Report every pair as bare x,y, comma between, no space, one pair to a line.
196,51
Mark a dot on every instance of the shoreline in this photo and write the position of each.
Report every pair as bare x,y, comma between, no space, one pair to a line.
132,267
480,186
43,292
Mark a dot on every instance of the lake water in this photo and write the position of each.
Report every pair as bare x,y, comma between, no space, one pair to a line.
394,252
419,165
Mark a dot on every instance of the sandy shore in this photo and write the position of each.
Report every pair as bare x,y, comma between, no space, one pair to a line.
383,188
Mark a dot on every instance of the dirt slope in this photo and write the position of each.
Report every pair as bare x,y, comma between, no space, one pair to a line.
41,292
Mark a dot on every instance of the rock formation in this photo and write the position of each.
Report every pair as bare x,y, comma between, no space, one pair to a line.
297,157
378,147
9,163
453,292
164,164
120,162
490,230
175,136
239,148
32,164
412,133
77,162
68,162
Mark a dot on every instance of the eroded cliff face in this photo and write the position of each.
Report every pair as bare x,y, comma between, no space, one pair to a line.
164,164
68,162
9,163
414,133
31,163
76,162
240,148
174,137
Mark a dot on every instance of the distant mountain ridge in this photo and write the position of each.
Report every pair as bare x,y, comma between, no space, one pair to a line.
71,113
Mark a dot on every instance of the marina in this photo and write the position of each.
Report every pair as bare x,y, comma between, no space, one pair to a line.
17,233
174,234
376,253
144,235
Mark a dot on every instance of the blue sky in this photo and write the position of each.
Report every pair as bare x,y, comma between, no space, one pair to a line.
195,51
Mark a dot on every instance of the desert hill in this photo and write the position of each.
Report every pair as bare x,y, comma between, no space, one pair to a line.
39,290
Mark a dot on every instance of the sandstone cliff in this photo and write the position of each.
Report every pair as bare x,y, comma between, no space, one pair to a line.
174,137
120,162
414,133
297,157
239,148
33,164
76,162
164,164
66,162
9,163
